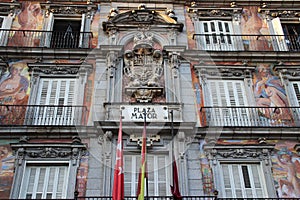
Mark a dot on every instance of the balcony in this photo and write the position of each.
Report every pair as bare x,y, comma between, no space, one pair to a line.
183,198
231,42
250,116
42,115
48,39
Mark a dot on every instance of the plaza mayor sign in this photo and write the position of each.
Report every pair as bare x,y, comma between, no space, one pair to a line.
153,113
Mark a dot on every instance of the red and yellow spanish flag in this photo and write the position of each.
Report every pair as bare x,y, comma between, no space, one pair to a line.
142,174
118,187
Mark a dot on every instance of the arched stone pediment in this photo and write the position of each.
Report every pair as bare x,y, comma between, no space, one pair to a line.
137,18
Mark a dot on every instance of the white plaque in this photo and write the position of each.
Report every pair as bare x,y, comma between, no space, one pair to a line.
136,113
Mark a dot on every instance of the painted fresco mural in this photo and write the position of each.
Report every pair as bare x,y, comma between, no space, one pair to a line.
269,92
6,169
14,90
252,23
82,174
206,171
95,28
29,18
286,170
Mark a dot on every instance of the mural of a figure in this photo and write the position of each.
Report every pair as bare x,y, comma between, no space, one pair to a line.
287,168
14,88
30,19
6,170
269,92
253,24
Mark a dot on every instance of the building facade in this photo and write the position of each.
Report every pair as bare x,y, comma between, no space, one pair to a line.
217,82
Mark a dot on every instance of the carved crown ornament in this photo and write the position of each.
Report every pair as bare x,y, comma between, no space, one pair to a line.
201,11
292,71
9,7
141,17
59,69
143,68
68,9
225,71
261,152
280,12
67,151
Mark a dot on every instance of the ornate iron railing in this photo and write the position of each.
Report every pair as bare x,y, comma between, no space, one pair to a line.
48,39
42,115
250,116
231,42
183,198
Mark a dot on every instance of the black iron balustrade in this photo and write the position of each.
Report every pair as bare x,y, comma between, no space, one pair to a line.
151,198
41,115
48,39
250,116
183,198
234,42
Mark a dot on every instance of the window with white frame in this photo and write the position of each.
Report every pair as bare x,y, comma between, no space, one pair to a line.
215,35
244,180
287,34
44,181
227,98
72,32
55,99
295,88
157,171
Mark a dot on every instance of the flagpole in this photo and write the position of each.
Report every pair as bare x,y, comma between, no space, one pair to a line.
146,159
172,148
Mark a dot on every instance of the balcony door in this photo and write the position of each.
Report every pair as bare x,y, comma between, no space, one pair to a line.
55,99
217,35
157,168
227,98
66,33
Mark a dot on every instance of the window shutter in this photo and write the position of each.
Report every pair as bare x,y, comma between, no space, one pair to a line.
44,182
296,89
242,180
281,42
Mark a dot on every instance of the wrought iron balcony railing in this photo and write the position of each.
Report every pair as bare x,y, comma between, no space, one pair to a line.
48,39
250,116
183,198
41,115
232,42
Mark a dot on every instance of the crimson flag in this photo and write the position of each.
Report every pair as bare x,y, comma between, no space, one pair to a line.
175,187
118,187
142,174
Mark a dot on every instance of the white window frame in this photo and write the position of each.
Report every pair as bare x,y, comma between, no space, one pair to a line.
295,95
279,41
218,42
134,174
225,97
49,27
56,115
38,165
233,177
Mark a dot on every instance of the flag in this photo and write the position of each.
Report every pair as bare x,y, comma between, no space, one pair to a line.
175,187
142,174
118,187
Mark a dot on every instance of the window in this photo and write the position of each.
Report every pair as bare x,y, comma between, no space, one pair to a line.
65,34
289,35
157,169
216,35
44,182
241,170
55,99
227,97
296,93
46,170
72,32
242,180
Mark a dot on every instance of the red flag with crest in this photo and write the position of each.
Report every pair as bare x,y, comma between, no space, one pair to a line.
118,187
